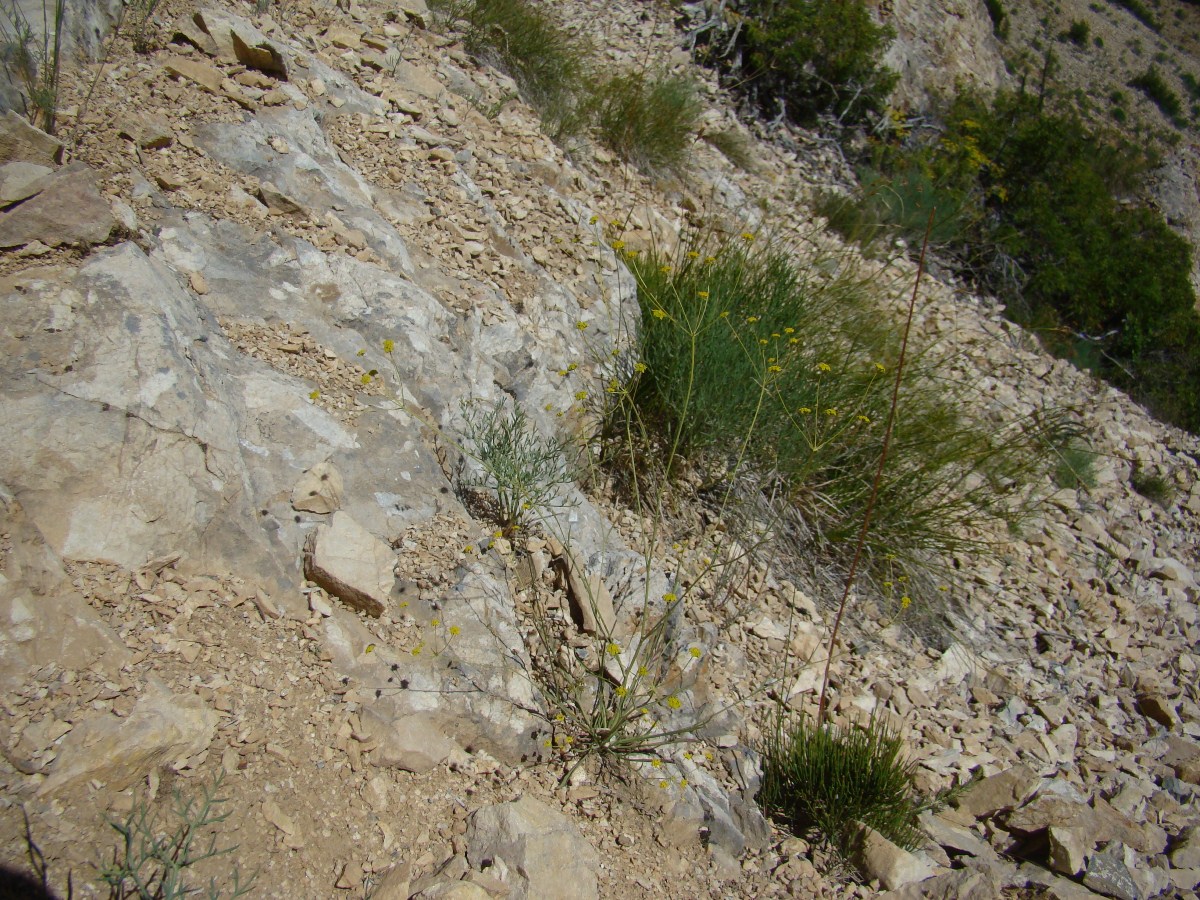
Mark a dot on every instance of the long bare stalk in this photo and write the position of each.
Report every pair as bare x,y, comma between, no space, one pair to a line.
860,544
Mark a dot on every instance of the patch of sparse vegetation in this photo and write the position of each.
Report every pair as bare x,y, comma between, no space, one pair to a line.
524,41
733,145
32,58
836,779
1140,11
1153,486
1153,85
647,117
154,863
1076,467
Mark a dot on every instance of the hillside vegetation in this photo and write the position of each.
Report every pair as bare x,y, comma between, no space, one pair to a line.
1034,202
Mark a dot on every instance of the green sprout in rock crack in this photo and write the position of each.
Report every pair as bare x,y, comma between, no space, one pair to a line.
522,471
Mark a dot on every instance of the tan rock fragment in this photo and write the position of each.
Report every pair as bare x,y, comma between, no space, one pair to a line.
21,142
1006,790
198,73
591,604
163,727
147,132
351,564
199,283
1156,707
1069,849
319,490
277,201
893,866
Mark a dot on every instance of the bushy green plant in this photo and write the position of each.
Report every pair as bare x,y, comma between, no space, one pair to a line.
999,18
835,779
647,117
1152,486
522,470
1078,33
32,58
153,864
1076,467
1105,282
1140,11
548,64
807,57
1153,85
749,362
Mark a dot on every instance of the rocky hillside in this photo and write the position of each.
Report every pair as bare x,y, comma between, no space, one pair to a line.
245,293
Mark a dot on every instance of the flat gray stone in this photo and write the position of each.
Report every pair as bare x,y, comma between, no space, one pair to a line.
67,210
412,743
1106,874
21,180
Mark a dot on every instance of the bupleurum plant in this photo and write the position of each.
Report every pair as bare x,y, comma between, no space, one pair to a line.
522,470
155,864
751,366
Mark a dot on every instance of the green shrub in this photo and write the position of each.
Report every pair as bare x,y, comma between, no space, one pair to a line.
1152,84
1078,33
1076,467
548,64
832,779
999,18
647,118
807,57
1152,486
1140,11
749,362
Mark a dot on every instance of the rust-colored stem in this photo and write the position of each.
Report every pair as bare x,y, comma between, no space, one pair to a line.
860,544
